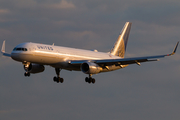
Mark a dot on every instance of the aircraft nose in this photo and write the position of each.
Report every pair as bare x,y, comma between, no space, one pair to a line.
15,56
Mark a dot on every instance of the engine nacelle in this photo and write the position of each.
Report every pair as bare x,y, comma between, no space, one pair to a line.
34,68
90,68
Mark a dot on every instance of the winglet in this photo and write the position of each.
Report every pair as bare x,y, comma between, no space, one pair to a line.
3,47
174,51
3,50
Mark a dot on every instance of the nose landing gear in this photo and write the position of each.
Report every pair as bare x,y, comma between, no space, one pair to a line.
27,66
26,74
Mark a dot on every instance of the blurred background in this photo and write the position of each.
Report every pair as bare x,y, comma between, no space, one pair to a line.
150,91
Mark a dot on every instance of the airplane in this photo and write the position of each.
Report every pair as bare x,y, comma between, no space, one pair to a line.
35,56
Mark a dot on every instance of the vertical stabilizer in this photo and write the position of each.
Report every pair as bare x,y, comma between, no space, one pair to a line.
120,45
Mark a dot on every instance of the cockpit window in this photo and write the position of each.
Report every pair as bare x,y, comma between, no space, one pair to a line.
20,49
14,49
24,49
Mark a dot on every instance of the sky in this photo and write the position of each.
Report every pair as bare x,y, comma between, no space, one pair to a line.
146,92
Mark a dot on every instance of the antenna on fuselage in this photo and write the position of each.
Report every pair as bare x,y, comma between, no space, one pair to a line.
53,44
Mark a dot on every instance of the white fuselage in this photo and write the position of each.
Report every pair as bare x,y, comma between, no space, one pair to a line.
57,56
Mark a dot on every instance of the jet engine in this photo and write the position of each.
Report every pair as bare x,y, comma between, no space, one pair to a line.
34,68
90,68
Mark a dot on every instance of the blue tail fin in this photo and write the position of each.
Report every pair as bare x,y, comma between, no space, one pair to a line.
121,43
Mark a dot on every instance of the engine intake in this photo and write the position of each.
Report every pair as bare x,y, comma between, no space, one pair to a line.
34,68
90,68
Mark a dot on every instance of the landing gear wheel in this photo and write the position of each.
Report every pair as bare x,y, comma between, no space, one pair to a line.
58,79
90,80
93,80
86,79
55,79
27,74
61,80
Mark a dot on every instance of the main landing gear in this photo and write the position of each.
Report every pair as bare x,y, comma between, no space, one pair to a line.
90,79
58,79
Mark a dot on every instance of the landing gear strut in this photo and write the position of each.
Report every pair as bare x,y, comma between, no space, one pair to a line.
57,78
90,79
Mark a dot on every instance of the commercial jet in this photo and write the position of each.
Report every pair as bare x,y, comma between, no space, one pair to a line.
34,56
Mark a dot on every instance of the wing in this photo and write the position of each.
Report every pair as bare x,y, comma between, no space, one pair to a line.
126,61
